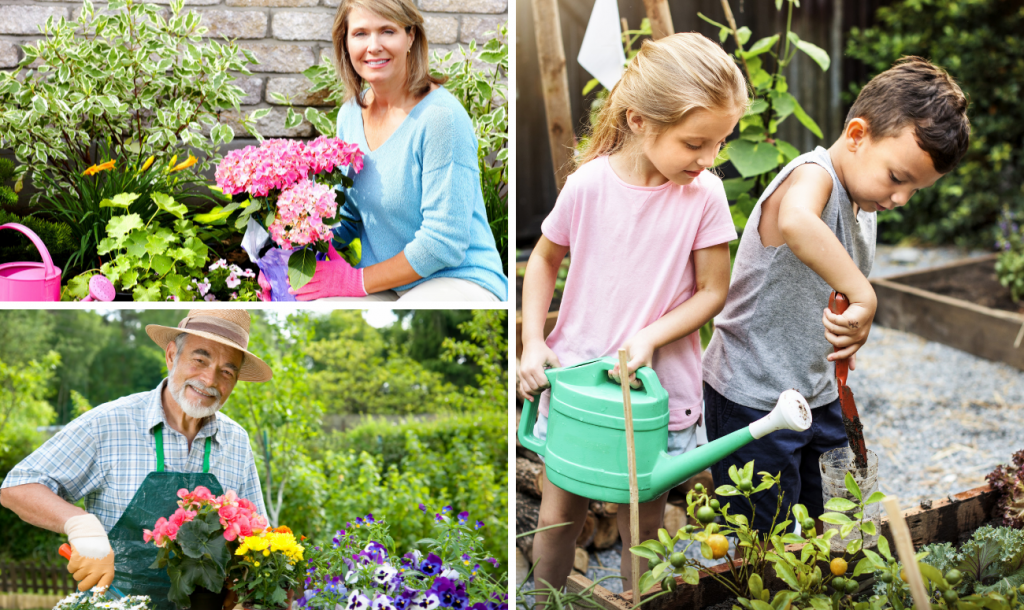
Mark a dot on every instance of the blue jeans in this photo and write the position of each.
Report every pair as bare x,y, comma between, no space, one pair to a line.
794,454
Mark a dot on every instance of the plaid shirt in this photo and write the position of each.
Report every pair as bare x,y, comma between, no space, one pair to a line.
104,455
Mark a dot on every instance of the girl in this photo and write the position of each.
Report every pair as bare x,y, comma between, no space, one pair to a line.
648,229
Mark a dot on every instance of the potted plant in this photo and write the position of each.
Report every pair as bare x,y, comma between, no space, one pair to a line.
264,575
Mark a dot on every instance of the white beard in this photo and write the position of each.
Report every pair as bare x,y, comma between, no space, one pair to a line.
193,409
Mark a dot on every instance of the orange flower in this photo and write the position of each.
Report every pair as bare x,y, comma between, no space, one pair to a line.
95,169
186,163
282,530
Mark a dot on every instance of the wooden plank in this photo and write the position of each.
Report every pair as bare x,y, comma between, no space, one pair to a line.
551,55
982,331
938,271
661,18
945,521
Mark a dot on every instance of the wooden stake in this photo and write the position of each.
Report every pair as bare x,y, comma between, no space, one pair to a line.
661,18
634,489
555,86
905,550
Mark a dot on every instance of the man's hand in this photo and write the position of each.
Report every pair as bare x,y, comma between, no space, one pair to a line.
849,331
532,380
92,559
640,352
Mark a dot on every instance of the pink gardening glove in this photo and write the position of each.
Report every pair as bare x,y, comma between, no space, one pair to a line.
333,278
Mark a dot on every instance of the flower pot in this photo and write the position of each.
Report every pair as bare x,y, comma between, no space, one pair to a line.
204,599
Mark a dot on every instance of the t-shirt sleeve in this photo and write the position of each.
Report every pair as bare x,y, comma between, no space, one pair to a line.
716,225
451,188
66,464
556,227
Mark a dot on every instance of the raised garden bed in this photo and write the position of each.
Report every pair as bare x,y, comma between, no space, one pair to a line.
948,520
960,304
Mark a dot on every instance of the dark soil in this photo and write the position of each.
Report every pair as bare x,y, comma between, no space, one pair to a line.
975,283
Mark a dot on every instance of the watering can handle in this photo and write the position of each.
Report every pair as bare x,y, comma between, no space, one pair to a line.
38,243
526,422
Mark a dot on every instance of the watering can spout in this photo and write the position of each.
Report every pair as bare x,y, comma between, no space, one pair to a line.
790,413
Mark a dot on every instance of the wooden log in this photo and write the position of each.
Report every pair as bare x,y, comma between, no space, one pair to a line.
661,18
675,519
581,561
606,534
555,86
603,509
527,514
587,535
529,477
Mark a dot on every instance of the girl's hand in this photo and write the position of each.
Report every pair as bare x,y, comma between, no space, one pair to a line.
532,380
849,331
640,352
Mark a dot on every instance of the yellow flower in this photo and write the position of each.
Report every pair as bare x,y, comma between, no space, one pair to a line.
148,162
266,553
186,163
95,169
174,159
256,563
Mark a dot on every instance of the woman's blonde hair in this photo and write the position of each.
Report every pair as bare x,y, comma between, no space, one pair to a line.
667,79
406,15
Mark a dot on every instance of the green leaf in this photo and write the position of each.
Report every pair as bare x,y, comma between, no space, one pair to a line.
875,497
590,85
744,34
122,200
691,576
727,490
873,557
659,570
787,575
320,121
868,527
807,122
646,582
301,267
853,547
800,512
933,574
834,518
863,566
203,573
162,264
846,528
789,152
734,474
761,46
756,107
119,226
166,203
840,504
292,119
816,53
851,485
757,604
753,158
883,547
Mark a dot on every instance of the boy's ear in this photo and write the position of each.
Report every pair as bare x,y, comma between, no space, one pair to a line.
855,133
635,121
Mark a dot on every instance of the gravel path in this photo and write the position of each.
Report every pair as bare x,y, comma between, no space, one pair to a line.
938,418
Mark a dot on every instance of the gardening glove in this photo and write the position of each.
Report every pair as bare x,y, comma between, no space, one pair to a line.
333,278
92,559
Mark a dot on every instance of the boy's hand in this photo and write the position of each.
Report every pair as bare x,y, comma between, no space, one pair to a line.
640,351
849,331
532,380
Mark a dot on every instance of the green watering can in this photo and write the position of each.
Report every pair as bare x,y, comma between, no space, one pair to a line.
585,450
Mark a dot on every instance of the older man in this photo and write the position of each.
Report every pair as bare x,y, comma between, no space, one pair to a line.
129,457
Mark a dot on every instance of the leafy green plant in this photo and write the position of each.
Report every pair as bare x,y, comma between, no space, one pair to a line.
155,262
808,586
1008,481
1010,264
978,43
7,195
128,80
757,154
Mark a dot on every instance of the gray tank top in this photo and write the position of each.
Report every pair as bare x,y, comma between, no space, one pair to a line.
769,337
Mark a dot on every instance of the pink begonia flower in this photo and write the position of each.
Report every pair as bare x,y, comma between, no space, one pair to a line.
229,497
147,535
246,504
228,512
171,531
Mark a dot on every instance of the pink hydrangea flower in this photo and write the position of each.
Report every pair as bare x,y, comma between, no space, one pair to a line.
300,213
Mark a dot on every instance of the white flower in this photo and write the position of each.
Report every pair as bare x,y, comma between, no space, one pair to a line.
450,574
357,601
426,601
382,602
232,281
204,287
383,574
210,297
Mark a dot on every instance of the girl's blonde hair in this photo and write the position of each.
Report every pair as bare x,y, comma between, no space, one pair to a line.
406,15
667,79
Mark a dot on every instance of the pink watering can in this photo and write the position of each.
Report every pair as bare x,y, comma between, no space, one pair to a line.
30,281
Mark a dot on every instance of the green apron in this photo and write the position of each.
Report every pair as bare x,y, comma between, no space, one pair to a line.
156,497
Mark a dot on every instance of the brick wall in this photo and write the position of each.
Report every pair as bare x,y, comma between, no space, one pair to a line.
286,36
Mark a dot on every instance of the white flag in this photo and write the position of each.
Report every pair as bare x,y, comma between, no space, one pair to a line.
601,53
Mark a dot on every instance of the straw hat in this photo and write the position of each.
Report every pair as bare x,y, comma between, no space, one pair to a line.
226,326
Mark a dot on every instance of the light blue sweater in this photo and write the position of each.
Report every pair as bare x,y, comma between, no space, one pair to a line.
420,192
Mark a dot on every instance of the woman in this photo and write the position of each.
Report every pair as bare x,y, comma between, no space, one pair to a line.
423,229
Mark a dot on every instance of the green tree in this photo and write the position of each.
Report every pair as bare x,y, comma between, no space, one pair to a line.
488,348
23,406
427,330
979,43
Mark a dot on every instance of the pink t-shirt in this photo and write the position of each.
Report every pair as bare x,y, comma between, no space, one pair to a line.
631,265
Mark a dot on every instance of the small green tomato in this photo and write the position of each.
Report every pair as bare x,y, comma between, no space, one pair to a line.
953,577
715,504
705,514
677,560
746,486
699,488
886,577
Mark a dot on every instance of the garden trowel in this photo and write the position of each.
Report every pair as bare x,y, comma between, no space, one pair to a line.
837,304
112,592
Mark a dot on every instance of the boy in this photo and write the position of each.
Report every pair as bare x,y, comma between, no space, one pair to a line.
812,231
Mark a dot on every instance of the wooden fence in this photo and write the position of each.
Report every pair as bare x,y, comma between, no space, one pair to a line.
29,585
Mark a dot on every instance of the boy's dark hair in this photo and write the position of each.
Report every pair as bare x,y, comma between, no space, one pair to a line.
915,91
